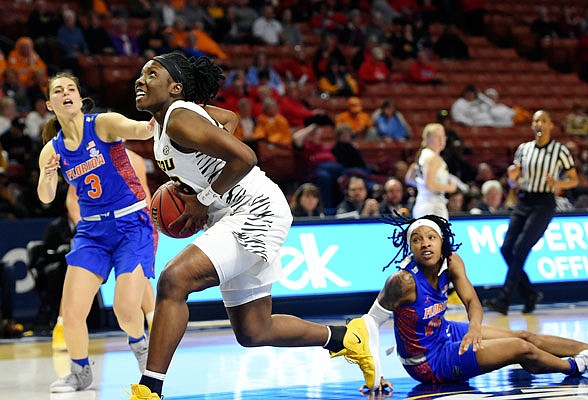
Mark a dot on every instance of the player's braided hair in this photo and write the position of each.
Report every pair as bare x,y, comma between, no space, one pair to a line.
400,240
201,77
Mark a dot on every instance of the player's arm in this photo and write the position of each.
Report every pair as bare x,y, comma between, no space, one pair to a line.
138,164
191,131
466,292
48,173
399,289
112,126
227,118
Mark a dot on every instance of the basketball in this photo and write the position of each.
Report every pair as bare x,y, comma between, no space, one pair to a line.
166,207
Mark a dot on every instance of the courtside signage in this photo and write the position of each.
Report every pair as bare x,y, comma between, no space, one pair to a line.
348,256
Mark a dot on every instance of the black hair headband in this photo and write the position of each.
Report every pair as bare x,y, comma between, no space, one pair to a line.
171,67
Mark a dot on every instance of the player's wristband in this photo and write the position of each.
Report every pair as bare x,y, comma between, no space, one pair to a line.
207,196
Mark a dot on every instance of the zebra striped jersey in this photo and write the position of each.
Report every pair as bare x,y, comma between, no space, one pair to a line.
536,162
252,201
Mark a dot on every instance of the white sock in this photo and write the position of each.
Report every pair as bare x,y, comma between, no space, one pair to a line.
154,375
59,320
328,337
379,313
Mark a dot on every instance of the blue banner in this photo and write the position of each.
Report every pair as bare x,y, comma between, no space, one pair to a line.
348,256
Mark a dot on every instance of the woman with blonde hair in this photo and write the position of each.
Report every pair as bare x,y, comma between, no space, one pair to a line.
429,174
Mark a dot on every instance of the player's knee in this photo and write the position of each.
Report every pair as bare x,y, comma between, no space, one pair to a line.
250,337
526,335
124,312
170,284
524,350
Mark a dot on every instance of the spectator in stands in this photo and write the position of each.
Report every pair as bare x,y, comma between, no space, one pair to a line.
2,65
42,23
422,71
328,56
235,90
543,25
365,51
356,202
390,124
378,23
576,122
193,12
11,207
502,115
165,12
152,38
297,67
293,106
241,16
206,43
374,68
36,120
37,89
359,120
472,20
273,126
18,145
14,89
261,63
291,33
328,16
568,22
8,113
320,163
245,130
393,199
25,60
471,108
306,202
97,37
338,81
492,199
178,32
404,43
3,160
354,31
72,42
450,46
218,13
125,42
455,202
346,153
191,48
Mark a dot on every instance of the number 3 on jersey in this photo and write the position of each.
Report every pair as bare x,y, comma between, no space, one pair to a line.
93,181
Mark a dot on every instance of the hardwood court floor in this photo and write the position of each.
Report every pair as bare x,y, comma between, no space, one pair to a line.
211,365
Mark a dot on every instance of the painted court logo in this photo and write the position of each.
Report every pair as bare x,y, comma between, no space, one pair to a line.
549,392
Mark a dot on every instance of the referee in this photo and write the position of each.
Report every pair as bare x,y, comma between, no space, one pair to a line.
541,168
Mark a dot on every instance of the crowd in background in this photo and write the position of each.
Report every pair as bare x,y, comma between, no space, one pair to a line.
272,96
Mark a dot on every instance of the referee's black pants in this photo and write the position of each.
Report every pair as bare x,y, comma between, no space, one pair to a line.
528,221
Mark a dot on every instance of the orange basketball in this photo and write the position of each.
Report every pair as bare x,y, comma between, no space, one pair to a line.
166,207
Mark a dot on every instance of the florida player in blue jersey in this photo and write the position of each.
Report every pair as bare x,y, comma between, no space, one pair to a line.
114,231
436,350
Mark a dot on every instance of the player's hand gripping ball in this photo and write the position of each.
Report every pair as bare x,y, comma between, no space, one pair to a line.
166,207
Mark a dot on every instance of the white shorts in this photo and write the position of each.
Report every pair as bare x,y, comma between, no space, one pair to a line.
432,206
245,275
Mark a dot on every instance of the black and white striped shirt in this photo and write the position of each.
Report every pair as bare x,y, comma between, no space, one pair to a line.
536,162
